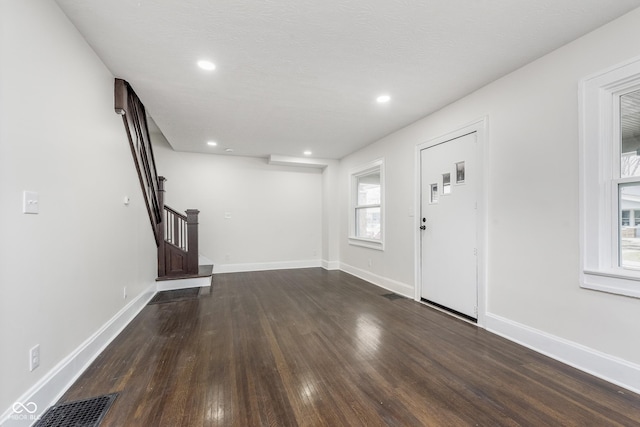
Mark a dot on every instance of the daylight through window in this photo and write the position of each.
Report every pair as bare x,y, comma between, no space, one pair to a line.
367,209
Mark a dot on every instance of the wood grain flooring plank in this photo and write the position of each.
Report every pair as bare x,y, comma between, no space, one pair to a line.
311,347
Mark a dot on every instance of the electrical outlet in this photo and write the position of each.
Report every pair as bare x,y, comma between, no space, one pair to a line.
124,293
34,357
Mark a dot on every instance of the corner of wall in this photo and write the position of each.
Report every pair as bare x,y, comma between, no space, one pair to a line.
383,282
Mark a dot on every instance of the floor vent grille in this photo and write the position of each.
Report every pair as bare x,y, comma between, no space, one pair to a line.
80,413
393,296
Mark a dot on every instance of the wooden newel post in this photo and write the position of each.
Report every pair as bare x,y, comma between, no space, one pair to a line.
162,270
192,237
161,180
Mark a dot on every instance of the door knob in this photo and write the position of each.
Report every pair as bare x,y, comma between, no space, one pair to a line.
423,227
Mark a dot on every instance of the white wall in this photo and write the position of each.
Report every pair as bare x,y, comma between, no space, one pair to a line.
532,185
393,267
276,211
62,272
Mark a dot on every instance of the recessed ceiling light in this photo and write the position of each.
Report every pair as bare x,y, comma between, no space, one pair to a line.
308,153
383,98
229,150
212,143
207,65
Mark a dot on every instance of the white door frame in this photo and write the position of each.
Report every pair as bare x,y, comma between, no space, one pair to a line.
481,128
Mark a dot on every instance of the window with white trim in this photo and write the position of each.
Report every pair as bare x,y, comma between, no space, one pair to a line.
610,180
367,206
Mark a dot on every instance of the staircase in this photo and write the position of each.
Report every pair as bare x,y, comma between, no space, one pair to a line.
175,233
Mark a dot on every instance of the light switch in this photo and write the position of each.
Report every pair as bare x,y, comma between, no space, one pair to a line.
30,202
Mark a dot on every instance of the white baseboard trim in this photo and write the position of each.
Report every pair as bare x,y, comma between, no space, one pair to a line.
262,266
172,285
383,282
330,265
57,381
612,369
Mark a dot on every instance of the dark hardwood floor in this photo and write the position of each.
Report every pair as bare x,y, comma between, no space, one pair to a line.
311,347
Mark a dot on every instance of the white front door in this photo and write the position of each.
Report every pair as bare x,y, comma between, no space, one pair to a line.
448,223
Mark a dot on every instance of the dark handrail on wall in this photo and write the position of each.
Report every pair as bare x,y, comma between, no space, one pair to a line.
176,234
129,106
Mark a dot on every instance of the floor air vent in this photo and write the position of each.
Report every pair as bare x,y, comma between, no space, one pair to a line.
392,296
175,296
81,413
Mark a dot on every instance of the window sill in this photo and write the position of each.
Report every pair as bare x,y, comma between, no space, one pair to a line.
367,243
611,282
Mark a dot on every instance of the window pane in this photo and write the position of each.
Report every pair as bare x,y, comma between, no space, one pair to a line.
446,183
368,223
369,189
625,218
459,172
434,193
629,233
630,134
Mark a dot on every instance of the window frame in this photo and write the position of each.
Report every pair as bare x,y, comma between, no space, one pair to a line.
600,180
376,166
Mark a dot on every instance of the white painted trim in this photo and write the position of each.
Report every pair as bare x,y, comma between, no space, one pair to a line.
481,128
611,283
383,282
354,174
172,285
309,162
262,266
599,166
330,265
612,369
378,245
57,381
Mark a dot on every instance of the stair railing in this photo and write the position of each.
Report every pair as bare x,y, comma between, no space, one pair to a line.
176,234
134,117
175,229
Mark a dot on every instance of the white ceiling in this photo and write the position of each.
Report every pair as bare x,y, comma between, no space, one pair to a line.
294,75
